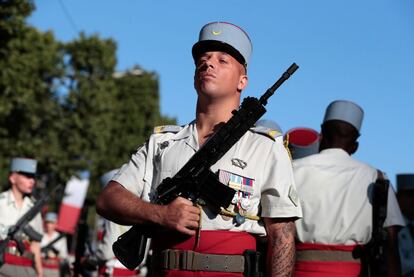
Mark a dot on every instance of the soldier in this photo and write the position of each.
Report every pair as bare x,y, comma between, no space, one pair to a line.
14,203
405,196
191,240
335,192
108,263
54,247
302,142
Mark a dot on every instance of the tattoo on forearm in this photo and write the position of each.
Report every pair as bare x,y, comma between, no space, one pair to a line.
283,249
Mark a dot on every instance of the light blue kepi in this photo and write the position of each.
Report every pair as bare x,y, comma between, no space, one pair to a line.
51,217
23,165
345,111
225,37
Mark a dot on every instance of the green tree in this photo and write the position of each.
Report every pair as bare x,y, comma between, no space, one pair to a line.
62,103
90,103
137,113
13,14
31,66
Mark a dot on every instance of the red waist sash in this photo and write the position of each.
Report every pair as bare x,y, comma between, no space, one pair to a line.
13,256
51,263
116,271
315,268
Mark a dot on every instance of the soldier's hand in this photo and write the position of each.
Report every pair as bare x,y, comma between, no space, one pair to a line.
181,216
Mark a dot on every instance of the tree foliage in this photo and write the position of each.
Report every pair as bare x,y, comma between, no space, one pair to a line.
64,104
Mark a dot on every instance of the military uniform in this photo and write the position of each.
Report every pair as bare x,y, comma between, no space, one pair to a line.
60,245
57,254
335,193
329,184
108,263
257,167
15,263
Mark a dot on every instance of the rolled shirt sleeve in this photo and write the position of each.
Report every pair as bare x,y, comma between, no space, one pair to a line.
279,196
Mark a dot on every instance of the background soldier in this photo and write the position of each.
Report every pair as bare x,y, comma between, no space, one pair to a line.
56,254
405,196
14,203
336,194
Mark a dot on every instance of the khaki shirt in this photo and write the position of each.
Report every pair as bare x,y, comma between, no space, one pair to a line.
334,190
61,245
257,166
10,213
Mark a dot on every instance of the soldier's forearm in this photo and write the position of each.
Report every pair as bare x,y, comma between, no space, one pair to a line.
281,248
35,248
123,207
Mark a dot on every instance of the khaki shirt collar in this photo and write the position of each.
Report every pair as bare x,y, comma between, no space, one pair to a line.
189,135
11,200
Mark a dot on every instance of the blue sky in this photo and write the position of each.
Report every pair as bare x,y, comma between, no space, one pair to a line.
361,51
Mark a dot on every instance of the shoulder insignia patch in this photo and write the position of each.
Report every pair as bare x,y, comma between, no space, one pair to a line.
167,129
293,196
273,134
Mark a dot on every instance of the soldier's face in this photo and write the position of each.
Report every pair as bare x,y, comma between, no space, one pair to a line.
22,182
219,74
50,226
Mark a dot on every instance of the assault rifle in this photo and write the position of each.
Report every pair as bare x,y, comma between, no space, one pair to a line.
375,249
50,245
21,227
195,180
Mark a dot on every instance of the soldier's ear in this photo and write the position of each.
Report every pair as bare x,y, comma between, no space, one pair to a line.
12,178
354,147
242,82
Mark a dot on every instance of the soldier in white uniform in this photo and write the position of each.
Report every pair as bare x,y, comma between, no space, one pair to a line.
335,195
405,196
14,203
109,264
257,167
56,253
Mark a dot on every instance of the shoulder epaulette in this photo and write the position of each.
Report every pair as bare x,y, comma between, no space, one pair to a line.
286,145
271,133
167,129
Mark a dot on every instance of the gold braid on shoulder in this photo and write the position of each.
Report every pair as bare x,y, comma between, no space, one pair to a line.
286,144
